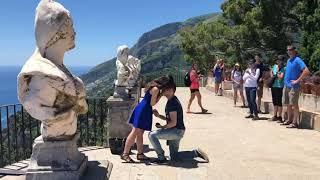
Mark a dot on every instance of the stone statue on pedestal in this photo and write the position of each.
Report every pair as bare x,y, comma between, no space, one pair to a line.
50,93
134,73
123,70
137,64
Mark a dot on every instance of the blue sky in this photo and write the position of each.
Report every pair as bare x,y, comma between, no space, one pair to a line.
101,25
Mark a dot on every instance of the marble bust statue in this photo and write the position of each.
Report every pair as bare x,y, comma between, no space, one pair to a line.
134,67
137,64
123,70
133,70
46,88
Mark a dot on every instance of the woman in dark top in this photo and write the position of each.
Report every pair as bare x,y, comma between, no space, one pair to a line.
141,118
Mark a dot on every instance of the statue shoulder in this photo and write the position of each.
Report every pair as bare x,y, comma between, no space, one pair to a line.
38,66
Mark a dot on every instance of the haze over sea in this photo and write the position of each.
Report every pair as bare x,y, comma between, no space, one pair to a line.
8,81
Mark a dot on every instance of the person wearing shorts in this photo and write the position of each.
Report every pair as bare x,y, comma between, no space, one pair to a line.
296,70
218,75
194,88
236,77
263,70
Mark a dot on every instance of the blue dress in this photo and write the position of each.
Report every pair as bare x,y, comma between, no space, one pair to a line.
141,116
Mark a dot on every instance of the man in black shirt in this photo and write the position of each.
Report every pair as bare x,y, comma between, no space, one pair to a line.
263,71
173,131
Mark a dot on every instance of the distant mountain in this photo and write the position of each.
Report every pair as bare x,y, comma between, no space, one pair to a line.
158,50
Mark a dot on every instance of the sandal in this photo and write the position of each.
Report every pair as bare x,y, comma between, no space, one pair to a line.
285,123
127,158
142,157
291,126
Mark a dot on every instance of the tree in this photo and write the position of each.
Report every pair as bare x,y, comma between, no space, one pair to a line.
308,12
246,28
269,24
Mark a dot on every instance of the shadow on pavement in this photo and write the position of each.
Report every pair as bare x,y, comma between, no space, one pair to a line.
186,160
98,170
263,119
201,113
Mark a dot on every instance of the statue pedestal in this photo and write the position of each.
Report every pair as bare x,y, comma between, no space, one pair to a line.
121,92
56,160
119,112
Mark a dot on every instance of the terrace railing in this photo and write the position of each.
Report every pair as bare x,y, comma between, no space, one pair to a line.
18,130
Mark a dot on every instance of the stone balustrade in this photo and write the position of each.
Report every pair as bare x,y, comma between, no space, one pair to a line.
309,104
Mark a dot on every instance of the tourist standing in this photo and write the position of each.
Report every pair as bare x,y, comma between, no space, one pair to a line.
236,78
250,79
141,118
263,70
173,131
296,70
195,88
277,75
218,72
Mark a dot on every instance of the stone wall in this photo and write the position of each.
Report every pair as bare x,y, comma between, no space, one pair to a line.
309,105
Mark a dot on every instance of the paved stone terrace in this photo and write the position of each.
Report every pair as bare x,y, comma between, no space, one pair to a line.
239,149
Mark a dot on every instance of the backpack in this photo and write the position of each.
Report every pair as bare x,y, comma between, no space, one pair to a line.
187,80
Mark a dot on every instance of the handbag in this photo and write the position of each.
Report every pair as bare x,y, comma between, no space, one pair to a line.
271,81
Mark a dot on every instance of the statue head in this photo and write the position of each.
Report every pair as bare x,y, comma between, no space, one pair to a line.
123,53
137,61
131,60
53,27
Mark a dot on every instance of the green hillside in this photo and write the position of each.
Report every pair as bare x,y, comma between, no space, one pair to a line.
158,50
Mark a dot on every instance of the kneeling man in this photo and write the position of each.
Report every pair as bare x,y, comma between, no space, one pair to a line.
173,131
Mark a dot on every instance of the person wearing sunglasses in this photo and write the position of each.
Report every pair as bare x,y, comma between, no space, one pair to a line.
296,70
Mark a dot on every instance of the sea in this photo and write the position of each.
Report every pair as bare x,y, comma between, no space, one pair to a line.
8,85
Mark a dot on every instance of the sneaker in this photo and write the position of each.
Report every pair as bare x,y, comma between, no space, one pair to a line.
274,118
201,154
250,116
255,118
159,161
204,111
279,119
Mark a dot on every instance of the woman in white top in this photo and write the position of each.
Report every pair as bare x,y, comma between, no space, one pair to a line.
250,78
236,77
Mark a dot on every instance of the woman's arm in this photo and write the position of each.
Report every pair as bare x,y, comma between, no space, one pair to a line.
280,74
232,74
156,113
173,120
256,76
194,76
154,96
246,75
215,67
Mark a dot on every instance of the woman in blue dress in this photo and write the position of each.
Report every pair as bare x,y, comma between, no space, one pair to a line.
141,118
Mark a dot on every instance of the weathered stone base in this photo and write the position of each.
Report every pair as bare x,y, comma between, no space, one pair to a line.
308,119
119,112
121,92
56,160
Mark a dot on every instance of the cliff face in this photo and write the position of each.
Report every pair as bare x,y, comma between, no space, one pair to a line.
158,50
